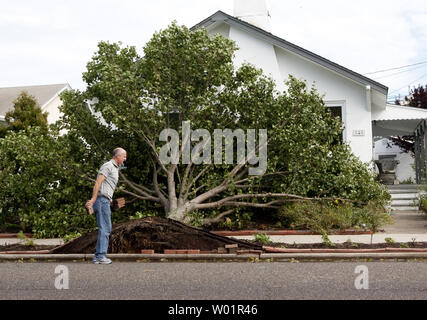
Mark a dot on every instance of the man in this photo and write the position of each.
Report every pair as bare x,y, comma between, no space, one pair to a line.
102,198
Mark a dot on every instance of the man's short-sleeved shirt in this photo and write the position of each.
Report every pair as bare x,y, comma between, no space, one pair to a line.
110,171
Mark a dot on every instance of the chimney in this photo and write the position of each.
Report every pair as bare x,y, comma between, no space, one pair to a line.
254,12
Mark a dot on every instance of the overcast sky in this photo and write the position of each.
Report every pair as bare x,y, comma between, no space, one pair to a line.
50,41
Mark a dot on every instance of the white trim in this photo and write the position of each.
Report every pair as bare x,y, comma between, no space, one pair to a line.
340,104
67,86
369,98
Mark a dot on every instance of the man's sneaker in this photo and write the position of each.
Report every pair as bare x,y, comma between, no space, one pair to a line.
102,261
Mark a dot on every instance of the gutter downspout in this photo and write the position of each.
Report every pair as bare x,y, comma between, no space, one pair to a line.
369,98
369,107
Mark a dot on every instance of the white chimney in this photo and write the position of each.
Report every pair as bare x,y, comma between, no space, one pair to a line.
254,12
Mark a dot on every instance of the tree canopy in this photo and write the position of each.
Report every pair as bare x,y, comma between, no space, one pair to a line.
417,98
26,113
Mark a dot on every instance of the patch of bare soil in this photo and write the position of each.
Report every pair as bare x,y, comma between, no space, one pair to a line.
153,233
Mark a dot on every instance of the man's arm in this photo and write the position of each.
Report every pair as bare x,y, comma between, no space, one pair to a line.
95,192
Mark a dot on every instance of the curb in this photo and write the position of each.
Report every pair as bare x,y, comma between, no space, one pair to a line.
265,257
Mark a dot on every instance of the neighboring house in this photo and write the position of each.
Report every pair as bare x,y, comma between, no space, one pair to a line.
47,97
359,101
385,149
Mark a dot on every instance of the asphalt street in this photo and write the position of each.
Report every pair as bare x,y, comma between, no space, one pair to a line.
214,281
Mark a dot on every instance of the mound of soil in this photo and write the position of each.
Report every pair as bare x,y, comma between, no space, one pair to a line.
153,233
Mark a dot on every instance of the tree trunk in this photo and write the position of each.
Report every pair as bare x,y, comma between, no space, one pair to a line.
180,214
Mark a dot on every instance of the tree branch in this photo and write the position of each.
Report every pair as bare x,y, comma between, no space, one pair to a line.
209,221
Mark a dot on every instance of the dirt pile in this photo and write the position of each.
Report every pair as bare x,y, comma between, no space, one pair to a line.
152,233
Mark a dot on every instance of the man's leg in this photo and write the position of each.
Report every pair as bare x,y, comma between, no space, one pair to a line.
103,219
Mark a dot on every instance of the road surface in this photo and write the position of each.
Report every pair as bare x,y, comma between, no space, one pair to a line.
218,281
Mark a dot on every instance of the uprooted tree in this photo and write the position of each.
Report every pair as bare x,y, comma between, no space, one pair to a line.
186,76
181,77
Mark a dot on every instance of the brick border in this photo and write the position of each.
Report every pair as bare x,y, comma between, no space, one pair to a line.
382,250
14,235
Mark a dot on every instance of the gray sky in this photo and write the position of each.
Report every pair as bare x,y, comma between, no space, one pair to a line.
50,41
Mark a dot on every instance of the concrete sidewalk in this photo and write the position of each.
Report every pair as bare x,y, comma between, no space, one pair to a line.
377,238
38,242
407,226
408,222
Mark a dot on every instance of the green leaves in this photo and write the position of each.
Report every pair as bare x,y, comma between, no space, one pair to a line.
26,113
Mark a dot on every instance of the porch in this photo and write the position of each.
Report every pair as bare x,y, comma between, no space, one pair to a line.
405,121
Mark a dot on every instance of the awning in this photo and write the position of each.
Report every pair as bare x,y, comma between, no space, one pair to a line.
397,120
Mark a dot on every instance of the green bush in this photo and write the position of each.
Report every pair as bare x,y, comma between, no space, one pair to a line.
423,204
322,217
263,238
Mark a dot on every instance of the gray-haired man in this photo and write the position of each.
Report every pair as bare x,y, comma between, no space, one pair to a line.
102,198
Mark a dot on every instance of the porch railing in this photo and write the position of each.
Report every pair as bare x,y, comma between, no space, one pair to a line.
420,151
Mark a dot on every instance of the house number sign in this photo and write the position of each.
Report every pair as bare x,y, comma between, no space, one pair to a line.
358,133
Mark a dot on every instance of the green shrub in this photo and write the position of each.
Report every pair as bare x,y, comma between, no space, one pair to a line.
423,204
322,217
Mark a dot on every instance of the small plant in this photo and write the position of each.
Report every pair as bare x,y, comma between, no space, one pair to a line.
326,240
140,215
390,240
72,236
254,259
407,181
404,245
30,243
21,235
263,238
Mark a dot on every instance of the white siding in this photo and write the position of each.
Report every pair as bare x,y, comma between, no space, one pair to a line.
338,90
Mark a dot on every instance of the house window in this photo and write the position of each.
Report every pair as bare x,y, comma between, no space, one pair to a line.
387,157
336,111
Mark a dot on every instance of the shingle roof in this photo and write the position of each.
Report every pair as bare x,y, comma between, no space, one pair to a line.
43,94
220,16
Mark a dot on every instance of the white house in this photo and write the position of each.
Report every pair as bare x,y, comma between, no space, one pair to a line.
361,102
47,97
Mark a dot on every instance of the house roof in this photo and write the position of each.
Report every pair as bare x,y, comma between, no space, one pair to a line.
394,112
220,16
43,94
